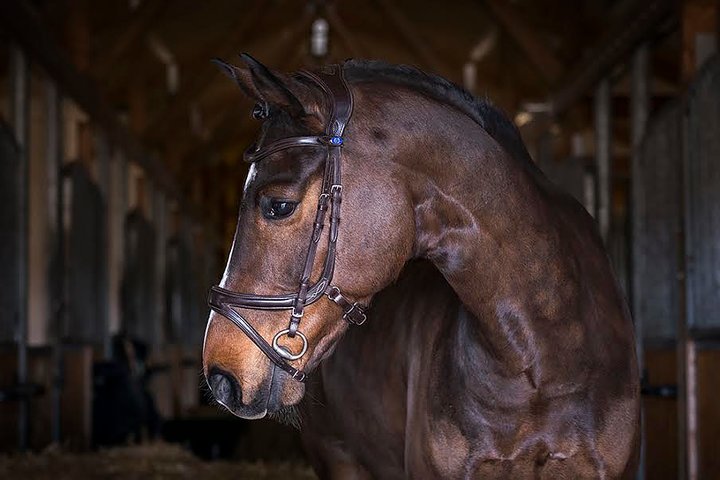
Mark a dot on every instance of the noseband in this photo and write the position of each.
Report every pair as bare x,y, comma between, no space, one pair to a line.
224,302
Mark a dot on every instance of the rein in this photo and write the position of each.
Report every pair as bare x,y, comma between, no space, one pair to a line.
223,301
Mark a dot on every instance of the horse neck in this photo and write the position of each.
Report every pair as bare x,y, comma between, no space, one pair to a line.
482,219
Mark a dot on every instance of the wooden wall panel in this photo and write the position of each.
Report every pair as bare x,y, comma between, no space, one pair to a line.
661,418
76,425
39,372
709,412
661,431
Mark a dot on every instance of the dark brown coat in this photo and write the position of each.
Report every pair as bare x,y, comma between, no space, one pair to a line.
508,353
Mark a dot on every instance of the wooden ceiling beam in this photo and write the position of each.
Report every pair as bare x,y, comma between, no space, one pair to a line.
698,17
412,37
190,148
528,39
140,24
278,55
228,125
192,86
350,41
614,47
186,147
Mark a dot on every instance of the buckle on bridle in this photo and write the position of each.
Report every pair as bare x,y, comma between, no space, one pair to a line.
336,188
353,312
334,294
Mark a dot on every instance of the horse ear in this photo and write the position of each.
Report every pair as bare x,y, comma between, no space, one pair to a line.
241,76
261,85
271,88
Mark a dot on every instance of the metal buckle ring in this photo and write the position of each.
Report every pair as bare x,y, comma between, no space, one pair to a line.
335,187
355,307
282,351
333,293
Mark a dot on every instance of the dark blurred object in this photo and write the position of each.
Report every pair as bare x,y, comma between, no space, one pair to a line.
211,434
138,283
123,408
210,438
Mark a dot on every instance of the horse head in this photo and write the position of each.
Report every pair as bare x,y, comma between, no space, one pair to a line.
305,276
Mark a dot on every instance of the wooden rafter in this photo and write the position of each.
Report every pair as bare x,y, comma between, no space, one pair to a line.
527,39
192,148
350,41
193,85
141,23
412,37
221,134
189,150
614,46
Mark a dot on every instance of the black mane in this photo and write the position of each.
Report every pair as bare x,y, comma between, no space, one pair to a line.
489,117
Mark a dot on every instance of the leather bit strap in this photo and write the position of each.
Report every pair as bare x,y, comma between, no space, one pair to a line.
352,312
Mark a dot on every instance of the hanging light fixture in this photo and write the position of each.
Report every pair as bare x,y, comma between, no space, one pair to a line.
477,54
319,37
166,57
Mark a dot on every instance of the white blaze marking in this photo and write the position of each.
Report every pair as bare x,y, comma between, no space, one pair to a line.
223,282
250,178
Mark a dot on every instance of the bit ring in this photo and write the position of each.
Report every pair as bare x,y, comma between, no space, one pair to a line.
284,352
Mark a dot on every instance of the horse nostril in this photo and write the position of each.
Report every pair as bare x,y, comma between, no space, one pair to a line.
224,387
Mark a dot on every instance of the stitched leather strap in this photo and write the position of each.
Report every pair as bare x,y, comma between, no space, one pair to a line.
239,321
254,154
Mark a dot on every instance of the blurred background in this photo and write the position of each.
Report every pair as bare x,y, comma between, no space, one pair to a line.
121,173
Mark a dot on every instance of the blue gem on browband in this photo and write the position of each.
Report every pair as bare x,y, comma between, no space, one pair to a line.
335,140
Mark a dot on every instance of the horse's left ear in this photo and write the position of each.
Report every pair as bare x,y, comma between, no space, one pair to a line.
271,88
241,76
261,85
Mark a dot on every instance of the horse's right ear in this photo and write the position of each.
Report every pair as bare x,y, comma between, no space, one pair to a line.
242,76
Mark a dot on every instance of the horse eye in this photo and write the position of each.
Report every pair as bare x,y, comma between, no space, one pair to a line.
276,209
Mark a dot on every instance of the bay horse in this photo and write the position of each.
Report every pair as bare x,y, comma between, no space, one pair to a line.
498,344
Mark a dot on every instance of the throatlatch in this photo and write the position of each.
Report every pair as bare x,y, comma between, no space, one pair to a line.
222,301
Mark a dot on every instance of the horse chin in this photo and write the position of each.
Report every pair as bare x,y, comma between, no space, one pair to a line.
246,412
288,416
285,392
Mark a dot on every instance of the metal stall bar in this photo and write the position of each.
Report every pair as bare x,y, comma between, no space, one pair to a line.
640,103
160,219
686,351
56,269
19,116
103,169
603,154
117,210
700,325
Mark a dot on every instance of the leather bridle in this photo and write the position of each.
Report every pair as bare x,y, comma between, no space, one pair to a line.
225,302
